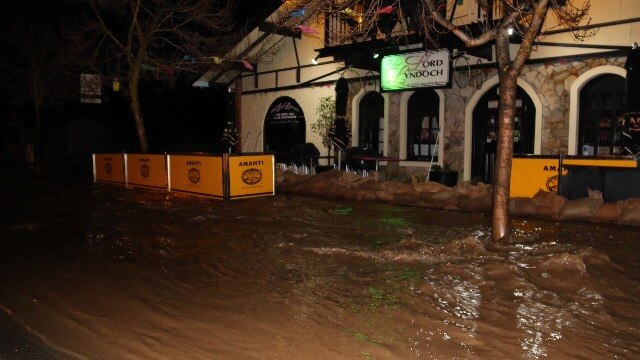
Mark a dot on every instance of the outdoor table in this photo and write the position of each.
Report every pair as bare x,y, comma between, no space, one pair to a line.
377,159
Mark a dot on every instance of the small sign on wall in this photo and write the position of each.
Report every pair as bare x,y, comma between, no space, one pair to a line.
90,89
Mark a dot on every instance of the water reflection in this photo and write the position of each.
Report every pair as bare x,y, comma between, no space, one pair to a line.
102,273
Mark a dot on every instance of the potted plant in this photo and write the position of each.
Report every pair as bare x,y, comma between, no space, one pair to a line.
326,112
443,175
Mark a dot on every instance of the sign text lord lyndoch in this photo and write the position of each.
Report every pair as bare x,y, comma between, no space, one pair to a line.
415,70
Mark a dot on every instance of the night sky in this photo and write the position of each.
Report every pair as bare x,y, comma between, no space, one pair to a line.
179,118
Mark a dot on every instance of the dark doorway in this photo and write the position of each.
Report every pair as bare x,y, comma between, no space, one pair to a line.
371,122
485,131
284,127
601,104
423,125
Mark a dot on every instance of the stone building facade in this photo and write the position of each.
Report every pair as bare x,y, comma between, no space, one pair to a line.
551,84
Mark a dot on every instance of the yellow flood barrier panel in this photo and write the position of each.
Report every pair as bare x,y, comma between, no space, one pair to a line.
108,168
530,174
147,170
251,175
624,163
196,174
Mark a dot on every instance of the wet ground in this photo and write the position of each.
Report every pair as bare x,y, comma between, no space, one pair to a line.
99,272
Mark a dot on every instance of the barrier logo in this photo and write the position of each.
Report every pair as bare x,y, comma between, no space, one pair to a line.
251,176
108,169
194,175
145,171
552,184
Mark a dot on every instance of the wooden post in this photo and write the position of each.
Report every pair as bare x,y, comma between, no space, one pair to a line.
238,112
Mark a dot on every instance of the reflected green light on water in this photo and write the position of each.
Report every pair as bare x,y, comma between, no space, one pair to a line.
367,356
342,211
396,221
303,278
381,299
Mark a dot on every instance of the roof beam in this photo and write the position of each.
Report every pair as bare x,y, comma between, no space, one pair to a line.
268,27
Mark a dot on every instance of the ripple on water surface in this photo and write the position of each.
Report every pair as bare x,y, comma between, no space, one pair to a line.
137,274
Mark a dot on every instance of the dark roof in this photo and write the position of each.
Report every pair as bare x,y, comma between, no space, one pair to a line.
251,13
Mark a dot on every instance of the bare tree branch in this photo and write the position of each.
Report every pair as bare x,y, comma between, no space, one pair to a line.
155,39
437,20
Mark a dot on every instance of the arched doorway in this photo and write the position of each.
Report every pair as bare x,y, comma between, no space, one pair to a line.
371,122
601,104
284,127
423,125
485,132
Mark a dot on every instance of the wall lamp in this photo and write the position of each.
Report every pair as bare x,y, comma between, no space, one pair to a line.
314,61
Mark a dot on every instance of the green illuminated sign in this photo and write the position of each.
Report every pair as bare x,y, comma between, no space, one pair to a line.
415,70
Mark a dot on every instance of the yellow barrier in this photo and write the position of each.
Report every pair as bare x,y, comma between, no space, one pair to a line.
600,162
250,175
108,168
225,176
147,170
529,175
196,174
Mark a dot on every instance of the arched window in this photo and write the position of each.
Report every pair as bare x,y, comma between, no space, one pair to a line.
601,103
423,125
485,125
371,122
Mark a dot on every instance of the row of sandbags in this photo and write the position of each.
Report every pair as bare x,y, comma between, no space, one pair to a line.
462,197
345,185
547,205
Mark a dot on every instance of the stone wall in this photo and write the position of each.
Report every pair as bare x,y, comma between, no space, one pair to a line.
552,83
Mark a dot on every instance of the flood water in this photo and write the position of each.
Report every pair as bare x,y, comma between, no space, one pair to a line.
99,272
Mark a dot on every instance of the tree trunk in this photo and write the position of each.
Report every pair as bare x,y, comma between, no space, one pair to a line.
137,114
507,108
36,141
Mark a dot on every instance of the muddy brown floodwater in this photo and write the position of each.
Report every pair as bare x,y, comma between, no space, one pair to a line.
99,272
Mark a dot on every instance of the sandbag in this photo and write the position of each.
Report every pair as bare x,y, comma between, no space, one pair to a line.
443,195
472,204
547,212
545,198
406,198
384,195
521,206
608,212
631,212
580,209
428,186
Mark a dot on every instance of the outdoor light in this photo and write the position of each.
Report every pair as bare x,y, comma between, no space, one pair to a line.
376,55
315,59
116,85
510,31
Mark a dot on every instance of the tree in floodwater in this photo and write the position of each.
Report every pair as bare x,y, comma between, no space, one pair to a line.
135,40
526,17
35,70
523,17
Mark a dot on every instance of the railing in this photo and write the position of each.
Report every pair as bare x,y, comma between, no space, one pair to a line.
346,27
